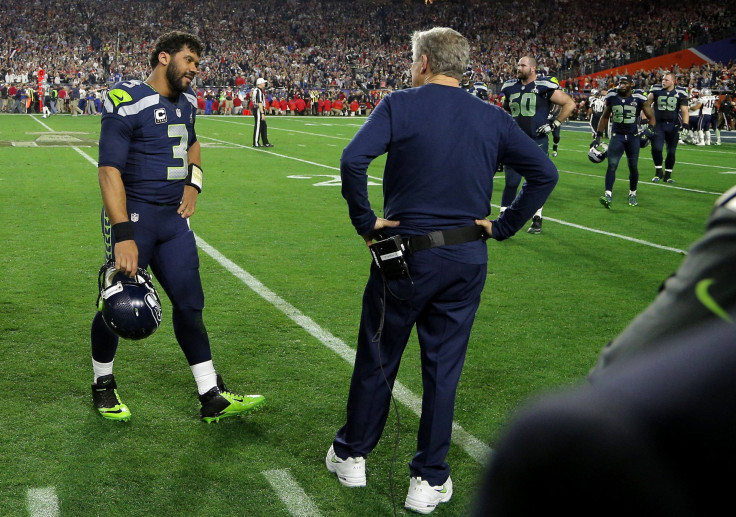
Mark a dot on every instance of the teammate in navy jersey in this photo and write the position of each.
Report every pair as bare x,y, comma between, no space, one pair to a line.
150,177
529,99
437,187
623,106
670,110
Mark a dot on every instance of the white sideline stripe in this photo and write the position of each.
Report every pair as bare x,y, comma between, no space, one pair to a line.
42,502
475,448
618,236
297,502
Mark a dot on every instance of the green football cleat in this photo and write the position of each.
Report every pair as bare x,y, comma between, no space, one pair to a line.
606,201
107,401
632,200
220,403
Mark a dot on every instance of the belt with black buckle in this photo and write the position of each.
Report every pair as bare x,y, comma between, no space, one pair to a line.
444,238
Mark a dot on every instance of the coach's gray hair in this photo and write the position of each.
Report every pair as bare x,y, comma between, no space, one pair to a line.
447,51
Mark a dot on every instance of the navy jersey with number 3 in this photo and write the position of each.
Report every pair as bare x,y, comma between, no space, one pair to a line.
146,137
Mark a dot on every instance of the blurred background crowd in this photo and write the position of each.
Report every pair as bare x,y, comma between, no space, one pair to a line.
300,46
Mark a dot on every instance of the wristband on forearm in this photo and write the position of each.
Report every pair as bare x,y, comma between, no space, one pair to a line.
123,231
556,123
194,178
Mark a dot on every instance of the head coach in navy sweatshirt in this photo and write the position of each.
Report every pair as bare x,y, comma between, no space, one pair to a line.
429,248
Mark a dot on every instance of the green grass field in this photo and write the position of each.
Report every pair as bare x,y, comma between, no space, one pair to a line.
283,273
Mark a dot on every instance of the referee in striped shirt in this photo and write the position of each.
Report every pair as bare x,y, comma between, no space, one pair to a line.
260,130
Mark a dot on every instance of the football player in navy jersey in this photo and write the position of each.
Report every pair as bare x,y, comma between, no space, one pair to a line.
623,106
529,99
670,109
150,177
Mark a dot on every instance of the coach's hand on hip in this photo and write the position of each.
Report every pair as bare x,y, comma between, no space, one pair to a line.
380,224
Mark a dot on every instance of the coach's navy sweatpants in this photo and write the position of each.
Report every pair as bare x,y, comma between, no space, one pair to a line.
441,299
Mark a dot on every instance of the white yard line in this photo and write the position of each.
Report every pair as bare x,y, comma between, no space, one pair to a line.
297,502
42,502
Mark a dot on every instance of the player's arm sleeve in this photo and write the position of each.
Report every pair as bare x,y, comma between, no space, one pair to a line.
370,141
114,142
522,154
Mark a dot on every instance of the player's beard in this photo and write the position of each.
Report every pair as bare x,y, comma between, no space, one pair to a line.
175,78
522,76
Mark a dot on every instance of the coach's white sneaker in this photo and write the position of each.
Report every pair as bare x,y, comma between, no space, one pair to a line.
350,471
423,498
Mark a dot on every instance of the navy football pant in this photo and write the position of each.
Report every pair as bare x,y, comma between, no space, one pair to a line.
619,145
665,133
166,243
513,178
442,304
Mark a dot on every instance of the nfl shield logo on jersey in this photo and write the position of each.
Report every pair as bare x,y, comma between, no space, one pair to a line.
178,113
134,217
159,115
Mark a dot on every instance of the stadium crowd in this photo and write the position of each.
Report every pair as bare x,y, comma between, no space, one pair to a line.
300,46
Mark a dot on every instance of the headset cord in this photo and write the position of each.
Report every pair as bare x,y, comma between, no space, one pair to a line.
378,339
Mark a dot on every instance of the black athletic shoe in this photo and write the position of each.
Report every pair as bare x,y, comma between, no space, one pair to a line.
106,399
220,403
536,226
267,145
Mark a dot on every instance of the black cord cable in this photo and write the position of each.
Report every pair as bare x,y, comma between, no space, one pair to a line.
378,340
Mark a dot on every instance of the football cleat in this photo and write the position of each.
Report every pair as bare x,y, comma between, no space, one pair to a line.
107,401
536,226
350,471
606,200
632,200
554,154
669,180
219,403
423,498
656,179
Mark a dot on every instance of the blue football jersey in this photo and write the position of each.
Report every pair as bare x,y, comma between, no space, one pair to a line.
146,137
666,104
529,104
625,111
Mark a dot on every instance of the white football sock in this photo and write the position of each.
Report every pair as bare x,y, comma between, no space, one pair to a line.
101,369
205,376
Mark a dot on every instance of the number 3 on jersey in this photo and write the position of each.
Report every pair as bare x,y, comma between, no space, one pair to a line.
179,151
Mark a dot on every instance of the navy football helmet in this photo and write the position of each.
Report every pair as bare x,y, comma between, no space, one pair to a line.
130,307
598,153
